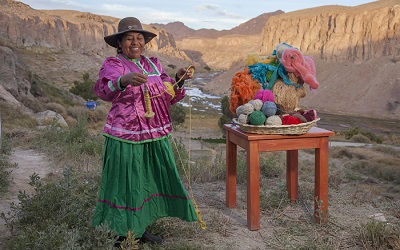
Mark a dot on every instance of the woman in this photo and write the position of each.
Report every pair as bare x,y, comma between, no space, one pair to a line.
140,182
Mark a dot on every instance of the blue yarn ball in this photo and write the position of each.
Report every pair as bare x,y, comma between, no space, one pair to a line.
269,108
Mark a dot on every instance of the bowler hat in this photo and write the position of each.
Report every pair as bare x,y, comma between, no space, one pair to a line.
125,25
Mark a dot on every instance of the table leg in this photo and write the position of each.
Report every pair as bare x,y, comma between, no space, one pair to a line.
292,173
231,156
321,181
253,186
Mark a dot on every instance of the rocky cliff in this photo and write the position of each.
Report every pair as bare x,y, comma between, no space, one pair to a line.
332,33
58,37
337,33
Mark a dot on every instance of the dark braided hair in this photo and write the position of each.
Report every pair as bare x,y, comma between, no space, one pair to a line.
119,38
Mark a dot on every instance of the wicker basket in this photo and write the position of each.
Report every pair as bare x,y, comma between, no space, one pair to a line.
297,129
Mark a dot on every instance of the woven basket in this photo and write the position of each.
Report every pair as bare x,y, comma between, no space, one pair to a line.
297,129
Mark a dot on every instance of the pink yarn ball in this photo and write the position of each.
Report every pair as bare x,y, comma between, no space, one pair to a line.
264,95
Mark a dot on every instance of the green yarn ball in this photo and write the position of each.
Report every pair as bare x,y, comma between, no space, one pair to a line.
257,118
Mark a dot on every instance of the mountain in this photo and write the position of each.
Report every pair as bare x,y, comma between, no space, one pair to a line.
252,27
356,51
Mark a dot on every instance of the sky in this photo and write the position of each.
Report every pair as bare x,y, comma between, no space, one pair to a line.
196,14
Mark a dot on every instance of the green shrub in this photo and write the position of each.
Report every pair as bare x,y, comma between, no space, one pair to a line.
227,115
47,93
58,215
5,165
11,117
85,88
378,235
178,114
381,168
356,130
270,167
360,139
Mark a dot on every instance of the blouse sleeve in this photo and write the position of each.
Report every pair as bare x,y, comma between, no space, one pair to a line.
108,87
179,93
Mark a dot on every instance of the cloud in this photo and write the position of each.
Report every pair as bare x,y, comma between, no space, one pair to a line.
206,7
216,11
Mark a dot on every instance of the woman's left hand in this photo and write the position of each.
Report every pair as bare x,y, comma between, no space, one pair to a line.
188,75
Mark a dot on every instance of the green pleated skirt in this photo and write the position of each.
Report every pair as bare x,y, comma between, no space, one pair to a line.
140,184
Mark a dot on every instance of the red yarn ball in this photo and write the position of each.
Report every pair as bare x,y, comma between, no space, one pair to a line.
290,120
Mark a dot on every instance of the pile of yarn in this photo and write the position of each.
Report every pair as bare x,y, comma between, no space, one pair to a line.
262,110
284,72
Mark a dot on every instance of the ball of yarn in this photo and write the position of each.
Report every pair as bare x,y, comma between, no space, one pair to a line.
239,110
264,95
248,108
273,120
170,89
280,110
269,109
280,48
310,115
298,115
257,104
290,120
243,119
257,118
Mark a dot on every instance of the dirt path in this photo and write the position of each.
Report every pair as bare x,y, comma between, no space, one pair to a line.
27,162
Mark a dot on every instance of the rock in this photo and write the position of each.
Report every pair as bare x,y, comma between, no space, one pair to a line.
378,217
48,118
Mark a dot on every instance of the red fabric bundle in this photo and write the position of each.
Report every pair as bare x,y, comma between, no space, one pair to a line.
290,120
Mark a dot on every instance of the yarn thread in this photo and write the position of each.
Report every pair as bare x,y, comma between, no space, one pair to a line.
168,87
149,111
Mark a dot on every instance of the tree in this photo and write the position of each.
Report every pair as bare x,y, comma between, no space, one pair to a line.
85,88
227,115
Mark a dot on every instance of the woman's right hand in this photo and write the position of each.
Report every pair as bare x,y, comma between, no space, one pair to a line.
133,78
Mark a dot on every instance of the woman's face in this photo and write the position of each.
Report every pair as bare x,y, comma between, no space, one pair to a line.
132,44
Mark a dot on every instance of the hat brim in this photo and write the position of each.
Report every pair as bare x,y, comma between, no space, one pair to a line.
112,40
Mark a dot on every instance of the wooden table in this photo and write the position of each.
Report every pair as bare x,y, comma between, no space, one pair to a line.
316,138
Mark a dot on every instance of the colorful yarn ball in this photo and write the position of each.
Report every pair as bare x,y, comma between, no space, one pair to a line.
239,110
298,115
269,109
273,120
290,120
257,118
243,119
170,89
280,110
257,104
280,48
264,95
310,114
248,109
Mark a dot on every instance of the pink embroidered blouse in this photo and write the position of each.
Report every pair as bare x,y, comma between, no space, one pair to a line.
126,119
